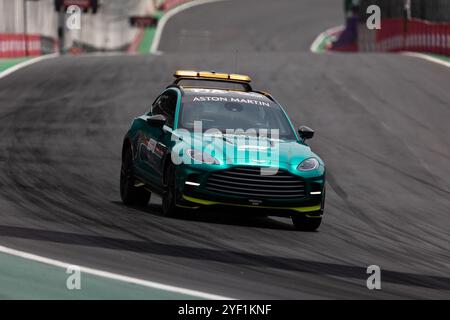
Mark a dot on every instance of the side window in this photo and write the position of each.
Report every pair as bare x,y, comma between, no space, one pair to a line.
158,106
170,107
166,105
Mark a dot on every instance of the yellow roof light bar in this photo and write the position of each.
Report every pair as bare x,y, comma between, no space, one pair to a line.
211,75
186,73
214,75
240,77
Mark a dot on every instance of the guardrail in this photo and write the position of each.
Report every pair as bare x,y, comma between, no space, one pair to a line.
406,35
406,25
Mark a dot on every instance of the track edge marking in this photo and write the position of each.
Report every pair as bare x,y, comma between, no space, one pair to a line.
27,63
113,276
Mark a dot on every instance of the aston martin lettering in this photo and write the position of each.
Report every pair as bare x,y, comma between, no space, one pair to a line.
226,99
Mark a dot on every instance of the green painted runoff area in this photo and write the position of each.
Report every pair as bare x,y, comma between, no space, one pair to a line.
27,279
10,62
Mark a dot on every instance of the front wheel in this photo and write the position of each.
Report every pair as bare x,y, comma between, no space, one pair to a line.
169,201
130,194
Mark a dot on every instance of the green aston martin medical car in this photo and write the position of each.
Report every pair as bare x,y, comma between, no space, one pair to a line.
210,140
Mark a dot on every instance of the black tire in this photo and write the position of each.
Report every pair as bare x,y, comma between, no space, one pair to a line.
131,195
303,223
169,199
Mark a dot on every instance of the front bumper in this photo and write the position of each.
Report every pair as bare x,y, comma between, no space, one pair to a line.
192,180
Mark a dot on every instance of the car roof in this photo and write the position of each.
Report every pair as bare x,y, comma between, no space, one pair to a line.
236,79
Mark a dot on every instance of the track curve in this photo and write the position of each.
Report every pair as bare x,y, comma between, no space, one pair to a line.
382,128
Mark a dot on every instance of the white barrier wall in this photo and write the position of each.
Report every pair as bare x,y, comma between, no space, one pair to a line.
108,29
41,17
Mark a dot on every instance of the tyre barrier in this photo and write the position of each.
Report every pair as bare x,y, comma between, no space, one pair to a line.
14,45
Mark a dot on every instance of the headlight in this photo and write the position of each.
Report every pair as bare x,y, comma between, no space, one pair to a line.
201,157
308,164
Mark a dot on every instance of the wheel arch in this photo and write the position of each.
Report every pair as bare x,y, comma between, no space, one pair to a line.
166,164
125,145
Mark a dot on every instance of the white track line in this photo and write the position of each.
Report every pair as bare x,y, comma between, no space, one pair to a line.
114,276
427,57
169,14
27,63
315,45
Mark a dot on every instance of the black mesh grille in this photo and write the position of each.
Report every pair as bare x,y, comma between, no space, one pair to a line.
248,182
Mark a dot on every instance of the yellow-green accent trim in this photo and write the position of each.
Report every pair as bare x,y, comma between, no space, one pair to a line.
186,207
199,201
307,209
209,203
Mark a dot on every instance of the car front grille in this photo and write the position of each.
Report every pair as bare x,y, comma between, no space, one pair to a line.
248,182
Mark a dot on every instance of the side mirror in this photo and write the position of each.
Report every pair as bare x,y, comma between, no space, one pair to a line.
157,120
305,133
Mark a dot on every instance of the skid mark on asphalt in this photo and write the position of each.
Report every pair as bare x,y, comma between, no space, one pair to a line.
299,265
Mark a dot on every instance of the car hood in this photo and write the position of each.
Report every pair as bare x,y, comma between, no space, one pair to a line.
245,150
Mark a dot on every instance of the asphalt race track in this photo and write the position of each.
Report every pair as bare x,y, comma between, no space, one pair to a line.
382,126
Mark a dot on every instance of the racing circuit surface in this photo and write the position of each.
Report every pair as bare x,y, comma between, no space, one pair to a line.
381,124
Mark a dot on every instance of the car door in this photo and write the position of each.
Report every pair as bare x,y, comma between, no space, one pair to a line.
156,141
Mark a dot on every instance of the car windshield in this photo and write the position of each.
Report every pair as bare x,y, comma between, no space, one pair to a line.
231,111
